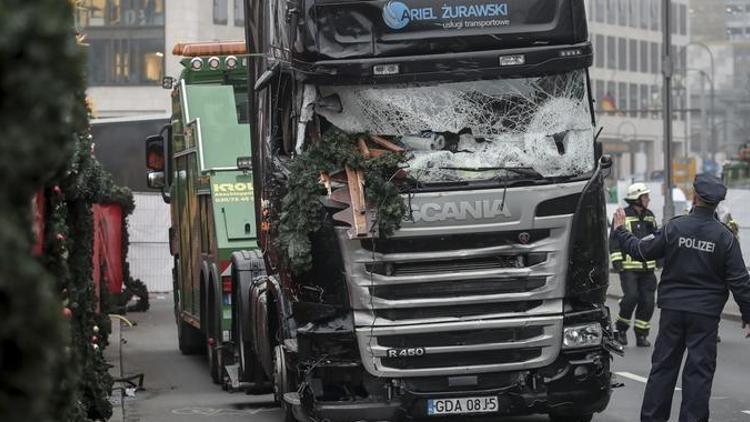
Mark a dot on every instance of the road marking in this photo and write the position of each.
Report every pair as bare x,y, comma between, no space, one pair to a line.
634,377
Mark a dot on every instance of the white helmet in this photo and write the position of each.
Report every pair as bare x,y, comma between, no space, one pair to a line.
636,190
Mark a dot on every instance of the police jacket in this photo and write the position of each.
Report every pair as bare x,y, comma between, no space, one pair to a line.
641,225
702,263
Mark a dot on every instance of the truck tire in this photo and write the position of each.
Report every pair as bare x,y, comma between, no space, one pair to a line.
557,417
246,265
283,382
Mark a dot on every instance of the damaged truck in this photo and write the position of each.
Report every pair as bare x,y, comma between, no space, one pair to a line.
478,288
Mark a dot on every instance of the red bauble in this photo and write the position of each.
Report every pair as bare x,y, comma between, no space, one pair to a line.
60,237
67,313
56,189
94,339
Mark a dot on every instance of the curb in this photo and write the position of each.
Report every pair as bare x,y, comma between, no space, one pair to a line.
113,355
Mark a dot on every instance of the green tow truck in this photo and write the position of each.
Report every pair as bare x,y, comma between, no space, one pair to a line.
201,164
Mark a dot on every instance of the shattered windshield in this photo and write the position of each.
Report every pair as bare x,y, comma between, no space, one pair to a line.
476,130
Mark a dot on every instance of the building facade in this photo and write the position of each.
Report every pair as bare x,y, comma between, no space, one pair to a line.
722,35
130,44
627,81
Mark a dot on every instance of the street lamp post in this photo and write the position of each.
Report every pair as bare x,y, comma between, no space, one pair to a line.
712,94
667,71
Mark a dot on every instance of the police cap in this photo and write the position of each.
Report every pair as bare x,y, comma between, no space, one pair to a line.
709,188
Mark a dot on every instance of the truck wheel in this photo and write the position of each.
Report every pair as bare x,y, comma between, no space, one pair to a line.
244,350
556,417
282,382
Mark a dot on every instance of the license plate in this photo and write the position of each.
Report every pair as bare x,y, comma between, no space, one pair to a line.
462,405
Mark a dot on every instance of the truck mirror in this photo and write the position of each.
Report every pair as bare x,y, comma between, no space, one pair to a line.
155,180
245,163
167,82
155,153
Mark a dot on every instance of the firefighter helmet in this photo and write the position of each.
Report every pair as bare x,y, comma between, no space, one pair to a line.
636,190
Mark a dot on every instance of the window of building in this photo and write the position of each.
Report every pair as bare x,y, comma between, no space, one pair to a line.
683,19
127,46
126,61
103,13
221,12
655,15
599,94
654,57
633,15
622,54
611,11
622,96
645,13
633,55
633,100
611,90
644,101
644,57
599,53
599,10
611,53
622,13
239,13
655,101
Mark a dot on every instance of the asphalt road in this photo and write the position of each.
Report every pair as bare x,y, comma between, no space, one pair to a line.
178,388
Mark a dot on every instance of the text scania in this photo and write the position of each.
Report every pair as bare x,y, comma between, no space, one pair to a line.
431,212
456,12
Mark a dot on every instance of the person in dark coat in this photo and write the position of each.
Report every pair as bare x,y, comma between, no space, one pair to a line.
702,264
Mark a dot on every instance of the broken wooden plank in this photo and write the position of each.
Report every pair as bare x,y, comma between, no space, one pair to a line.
358,204
390,146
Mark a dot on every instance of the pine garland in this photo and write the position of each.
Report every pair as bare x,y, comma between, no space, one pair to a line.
302,213
40,74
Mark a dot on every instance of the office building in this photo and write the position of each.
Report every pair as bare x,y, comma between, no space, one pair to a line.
627,81
130,44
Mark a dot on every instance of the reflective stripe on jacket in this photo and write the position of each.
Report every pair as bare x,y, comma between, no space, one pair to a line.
641,225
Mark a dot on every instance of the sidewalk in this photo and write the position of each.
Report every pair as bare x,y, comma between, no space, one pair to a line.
113,356
731,310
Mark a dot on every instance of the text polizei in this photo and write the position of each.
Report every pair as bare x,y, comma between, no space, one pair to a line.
692,243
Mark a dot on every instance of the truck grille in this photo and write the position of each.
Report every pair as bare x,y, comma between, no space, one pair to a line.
443,289
430,305
456,311
489,357
462,338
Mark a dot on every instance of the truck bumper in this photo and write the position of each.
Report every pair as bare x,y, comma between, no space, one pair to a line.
576,383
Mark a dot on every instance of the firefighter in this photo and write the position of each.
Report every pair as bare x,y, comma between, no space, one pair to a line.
637,277
702,263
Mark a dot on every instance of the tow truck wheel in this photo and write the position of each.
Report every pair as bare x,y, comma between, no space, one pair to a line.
554,417
281,382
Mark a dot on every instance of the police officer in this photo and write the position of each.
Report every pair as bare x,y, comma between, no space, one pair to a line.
637,277
702,263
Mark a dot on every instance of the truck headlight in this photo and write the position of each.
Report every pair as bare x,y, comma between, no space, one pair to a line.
586,335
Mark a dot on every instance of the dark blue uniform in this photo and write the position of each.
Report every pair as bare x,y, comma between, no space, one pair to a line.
702,263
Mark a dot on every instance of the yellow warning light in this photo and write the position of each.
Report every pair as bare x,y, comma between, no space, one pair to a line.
219,48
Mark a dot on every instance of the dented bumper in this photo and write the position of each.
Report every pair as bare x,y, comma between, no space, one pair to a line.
577,382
